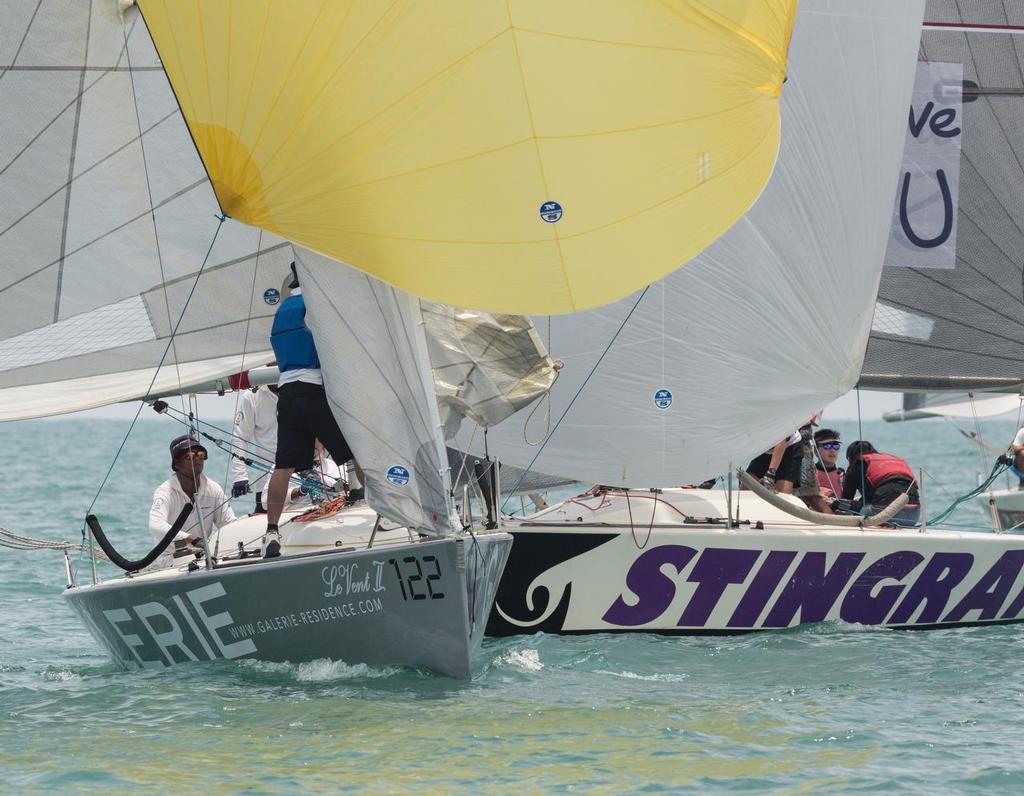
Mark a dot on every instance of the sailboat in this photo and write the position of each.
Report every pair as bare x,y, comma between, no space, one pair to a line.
162,164
720,360
948,320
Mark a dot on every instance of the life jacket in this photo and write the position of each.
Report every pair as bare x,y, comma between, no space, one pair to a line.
290,338
882,467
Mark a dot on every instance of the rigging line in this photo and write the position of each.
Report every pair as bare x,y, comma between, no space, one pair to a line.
71,172
245,345
977,431
220,223
600,359
224,431
149,192
860,461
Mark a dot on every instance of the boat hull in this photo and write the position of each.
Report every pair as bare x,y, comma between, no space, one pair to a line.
421,604
1006,506
698,576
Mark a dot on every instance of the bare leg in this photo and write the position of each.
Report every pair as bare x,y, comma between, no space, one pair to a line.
359,472
784,487
276,492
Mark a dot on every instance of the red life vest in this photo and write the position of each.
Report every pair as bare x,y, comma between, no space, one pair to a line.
882,467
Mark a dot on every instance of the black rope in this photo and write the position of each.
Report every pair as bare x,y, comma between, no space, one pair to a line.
134,566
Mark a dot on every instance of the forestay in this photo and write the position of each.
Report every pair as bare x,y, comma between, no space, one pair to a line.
497,154
107,215
731,353
958,323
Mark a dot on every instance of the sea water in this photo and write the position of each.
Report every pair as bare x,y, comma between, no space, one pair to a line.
831,708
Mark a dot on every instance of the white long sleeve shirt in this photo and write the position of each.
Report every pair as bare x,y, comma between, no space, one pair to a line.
256,420
169,499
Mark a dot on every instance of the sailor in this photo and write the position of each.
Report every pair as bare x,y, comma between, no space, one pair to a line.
188,485
303,414
779,467
255,420
1018,456
830,477
881,477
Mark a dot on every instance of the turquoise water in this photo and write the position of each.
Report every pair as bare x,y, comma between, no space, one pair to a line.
828,709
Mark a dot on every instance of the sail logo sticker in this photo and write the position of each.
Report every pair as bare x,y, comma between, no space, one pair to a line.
398,475
551,212
663,398
271,296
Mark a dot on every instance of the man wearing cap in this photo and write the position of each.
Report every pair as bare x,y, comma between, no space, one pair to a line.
188,485
303,414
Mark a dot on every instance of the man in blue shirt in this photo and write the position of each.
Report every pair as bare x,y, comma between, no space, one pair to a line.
303,414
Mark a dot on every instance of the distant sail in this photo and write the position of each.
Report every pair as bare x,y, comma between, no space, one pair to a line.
957,322
509,156
731,353
919,406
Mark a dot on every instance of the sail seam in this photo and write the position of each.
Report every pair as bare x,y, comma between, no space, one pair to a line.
24,37
71,171
540,158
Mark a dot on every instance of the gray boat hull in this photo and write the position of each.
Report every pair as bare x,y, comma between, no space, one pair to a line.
420,604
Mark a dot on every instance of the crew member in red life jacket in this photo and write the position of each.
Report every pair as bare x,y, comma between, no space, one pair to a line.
882,477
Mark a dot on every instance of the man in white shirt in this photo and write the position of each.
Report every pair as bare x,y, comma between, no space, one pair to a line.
255,420
1018,454
188,485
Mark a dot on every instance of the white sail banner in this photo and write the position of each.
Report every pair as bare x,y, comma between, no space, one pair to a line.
725,357
366,339
925,213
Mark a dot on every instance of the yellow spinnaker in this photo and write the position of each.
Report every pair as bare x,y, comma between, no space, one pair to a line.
510,155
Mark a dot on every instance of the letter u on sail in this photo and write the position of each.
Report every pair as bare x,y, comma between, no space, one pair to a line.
508,155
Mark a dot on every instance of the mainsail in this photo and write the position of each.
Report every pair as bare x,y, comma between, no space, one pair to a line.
957,322
509,156
726,356
107,216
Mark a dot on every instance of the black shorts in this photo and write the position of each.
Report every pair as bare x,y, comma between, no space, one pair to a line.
789,467
303,416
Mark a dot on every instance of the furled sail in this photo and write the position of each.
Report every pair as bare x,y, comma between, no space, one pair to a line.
950,313
378,385
486,366
106,217
515,156
726,356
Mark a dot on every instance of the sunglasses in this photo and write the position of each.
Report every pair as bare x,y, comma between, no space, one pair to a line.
831,446
201,455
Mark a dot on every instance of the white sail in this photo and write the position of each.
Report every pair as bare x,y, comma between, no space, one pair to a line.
728,355
366,340
107,215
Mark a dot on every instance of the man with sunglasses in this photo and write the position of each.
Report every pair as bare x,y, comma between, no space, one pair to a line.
830,477
188,485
